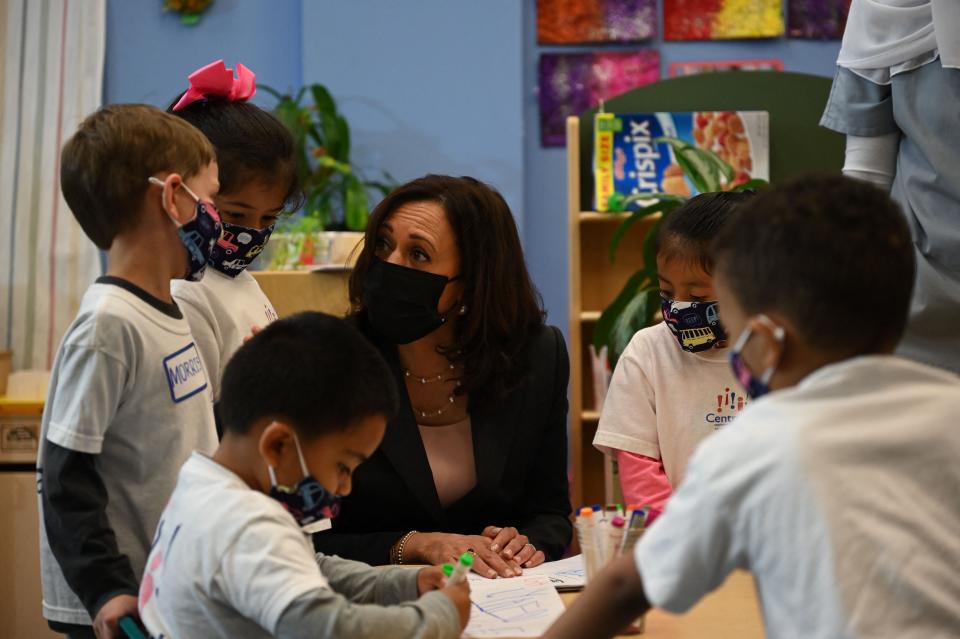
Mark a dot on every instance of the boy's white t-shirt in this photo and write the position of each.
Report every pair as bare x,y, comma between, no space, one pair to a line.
663,401
222,312
227,560
841,495
128,385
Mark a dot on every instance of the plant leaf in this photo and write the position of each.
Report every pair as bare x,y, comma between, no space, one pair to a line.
356,204
650,244
755,183
635,316
633,218
343,134
601,331
323,100
676,143
273,92
701,166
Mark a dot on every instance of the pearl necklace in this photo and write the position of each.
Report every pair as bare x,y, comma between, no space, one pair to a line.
431,379
408,374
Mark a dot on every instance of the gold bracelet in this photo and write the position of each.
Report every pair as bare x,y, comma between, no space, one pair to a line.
397,553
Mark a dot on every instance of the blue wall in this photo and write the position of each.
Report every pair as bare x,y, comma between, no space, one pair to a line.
433,86
443,86
150,53
545,177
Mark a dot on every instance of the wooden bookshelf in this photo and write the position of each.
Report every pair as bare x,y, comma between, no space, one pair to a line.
594,283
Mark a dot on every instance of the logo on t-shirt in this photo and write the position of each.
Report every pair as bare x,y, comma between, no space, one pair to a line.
729,405
185,374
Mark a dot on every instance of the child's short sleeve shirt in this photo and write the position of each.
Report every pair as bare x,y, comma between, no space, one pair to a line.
128,385
222,312
839,495
226,558
663,402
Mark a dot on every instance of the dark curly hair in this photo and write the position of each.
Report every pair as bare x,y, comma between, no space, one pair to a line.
251,144
505,307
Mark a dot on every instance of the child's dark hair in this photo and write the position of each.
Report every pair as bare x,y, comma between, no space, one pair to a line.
686,234
252,145
832,254
311,370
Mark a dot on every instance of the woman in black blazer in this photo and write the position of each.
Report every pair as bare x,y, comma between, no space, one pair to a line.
476,459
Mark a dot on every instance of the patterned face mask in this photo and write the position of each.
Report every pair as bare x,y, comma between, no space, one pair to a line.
754,386
198,235
238,247
695,325
309,502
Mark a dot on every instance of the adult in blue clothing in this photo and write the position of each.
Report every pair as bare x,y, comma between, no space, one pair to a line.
476,459
895,96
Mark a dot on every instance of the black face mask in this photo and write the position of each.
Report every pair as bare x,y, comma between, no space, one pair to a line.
401,302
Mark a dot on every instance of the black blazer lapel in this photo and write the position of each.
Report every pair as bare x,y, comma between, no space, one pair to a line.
403,447
494,432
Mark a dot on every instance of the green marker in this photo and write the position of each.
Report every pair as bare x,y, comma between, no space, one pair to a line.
458,574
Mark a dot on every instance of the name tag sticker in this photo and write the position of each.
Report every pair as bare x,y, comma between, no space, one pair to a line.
185,374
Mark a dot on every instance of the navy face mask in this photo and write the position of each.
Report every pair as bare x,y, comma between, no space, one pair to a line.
754,386
311,505
238,247
695,325
198,235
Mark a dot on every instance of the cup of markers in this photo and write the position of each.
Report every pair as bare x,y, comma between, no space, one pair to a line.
606,533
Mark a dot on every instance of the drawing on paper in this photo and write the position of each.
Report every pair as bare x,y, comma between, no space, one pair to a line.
519,607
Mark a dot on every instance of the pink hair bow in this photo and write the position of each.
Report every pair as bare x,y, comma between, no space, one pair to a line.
215,79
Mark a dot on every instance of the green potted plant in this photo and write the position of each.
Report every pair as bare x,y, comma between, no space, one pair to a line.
637,305
336,194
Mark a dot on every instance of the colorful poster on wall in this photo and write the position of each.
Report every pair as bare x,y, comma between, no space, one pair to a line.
571,83
584,21
721,19
817,19
679,69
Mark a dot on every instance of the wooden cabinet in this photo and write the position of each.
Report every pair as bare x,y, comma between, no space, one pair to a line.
295,291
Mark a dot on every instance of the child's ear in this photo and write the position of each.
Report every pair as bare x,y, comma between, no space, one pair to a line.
171,184
771,331
274,438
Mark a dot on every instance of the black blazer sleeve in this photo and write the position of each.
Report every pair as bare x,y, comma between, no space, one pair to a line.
546,512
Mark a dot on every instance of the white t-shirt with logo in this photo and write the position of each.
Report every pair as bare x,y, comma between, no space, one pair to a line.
663,401
222,312
129,386
841,495
227,559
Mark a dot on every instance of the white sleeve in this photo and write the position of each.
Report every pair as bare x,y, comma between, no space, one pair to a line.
629,418
89,387
694,545
266,568
872,159
203,327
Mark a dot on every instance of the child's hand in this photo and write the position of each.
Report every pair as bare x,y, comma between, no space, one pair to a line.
459,594
430,579
106,624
